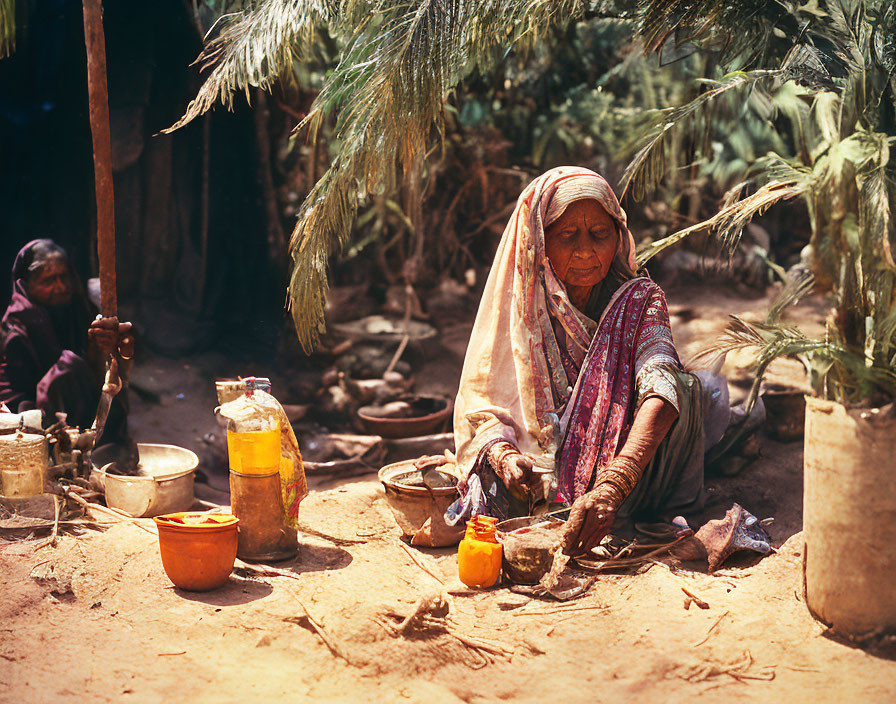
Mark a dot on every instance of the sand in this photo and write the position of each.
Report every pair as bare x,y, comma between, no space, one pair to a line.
95,619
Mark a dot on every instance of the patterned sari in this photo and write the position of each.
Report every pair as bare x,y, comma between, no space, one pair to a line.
562,388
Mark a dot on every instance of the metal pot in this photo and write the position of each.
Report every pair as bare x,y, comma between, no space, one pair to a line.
412,506
164,483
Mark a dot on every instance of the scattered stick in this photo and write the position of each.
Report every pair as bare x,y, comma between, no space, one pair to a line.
560,610
693,598
52,539
419,564
479,644
554,625
332,538
109,511
264,570
179,652
328,640
738,671
711,629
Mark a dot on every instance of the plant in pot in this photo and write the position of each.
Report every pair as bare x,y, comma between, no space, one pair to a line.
841,68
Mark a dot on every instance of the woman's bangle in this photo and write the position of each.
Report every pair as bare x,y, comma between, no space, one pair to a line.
622,474
499,453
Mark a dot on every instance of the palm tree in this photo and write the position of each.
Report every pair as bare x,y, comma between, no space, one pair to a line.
7,27
399,62
841,64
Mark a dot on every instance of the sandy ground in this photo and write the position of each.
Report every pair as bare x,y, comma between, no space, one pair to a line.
96,619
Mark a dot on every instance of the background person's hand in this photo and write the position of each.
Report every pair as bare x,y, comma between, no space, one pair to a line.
112,337
589,521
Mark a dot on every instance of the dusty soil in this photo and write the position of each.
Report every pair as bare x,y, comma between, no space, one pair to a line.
96,619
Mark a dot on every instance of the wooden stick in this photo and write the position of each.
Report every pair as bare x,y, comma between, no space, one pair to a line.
98,102
52,539
409,292
560,610
328,640
487,646
112,512
711,629
696,599
332,538
420,564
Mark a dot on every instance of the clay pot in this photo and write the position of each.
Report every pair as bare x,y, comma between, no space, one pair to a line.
426,414
198,549
849,503
527,562
785,410
415,506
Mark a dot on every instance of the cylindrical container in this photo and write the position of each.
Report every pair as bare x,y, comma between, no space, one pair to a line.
849,517
479,554
254,453
257,502
197,549
24,460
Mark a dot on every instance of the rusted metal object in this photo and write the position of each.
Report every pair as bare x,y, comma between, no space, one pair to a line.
263,534
98,97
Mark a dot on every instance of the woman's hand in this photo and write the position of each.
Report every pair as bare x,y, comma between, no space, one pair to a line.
112,337
590,520
516,472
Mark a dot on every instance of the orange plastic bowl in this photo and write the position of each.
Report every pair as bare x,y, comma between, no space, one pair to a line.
198,549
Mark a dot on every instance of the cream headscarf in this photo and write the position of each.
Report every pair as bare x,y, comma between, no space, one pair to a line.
513,385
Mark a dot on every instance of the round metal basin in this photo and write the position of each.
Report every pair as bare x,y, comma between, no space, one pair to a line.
164,483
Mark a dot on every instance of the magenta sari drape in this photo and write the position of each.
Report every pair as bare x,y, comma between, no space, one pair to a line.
635,327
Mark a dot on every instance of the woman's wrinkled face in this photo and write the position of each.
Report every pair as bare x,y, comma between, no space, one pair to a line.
582,243
50,284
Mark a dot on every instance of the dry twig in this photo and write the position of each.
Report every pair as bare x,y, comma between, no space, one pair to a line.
52,539
121,515
419,564
738,670
711,629
693,598
560,610
328,640
332,538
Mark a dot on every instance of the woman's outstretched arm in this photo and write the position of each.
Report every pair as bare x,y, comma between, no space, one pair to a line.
592,514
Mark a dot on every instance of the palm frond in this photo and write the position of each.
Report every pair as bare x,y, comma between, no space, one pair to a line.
7,27
733,217
387,94
797,286
252,48
835,370
739,31
875,211
648,166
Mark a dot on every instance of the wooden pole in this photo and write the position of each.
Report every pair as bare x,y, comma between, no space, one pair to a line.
98,98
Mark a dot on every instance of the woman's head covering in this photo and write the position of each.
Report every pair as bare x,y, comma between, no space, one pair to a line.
514,385
47,329
33,255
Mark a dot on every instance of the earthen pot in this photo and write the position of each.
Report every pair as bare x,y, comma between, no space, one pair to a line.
198,549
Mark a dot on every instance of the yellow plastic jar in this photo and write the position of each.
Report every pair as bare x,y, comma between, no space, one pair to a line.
479,553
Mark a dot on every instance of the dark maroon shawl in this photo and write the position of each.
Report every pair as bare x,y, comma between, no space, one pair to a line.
34,338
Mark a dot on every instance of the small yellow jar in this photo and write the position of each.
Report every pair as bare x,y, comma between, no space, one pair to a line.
479,553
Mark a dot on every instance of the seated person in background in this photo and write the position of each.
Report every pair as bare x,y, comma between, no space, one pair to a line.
50,358
571,374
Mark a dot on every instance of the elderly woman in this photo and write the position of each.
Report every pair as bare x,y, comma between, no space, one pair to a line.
571,379
49,357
